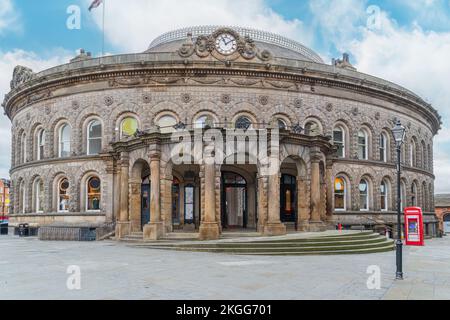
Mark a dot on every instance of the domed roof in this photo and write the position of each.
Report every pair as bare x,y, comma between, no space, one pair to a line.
278,46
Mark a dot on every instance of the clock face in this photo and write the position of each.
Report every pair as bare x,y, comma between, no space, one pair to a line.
226,44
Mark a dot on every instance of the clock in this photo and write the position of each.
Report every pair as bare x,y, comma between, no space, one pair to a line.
226,44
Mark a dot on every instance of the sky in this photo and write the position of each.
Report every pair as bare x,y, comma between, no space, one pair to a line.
407,42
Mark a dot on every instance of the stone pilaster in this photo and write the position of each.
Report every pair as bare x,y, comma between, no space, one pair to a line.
316,224
304,213
155,229
209,228
123,225
273,226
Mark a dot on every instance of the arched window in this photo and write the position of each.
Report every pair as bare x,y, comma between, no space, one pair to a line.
424,155
364,195
312,128
128,127
412,154
23,147
63,195
425,203
414,195
383,147
384,192
94,134
166,124
402,196
430,158
281,124
339,140
340,194
40,139
243,123
363,145
93,196
204,121
39,195
22,203
65,134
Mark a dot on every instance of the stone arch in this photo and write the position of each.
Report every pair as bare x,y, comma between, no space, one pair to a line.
389,192
53,185
82,189
285,110
139,169
349,183
315,119
82,132
55,126
300,154
245,108
372,192
348,132
160,108
203,107
116,122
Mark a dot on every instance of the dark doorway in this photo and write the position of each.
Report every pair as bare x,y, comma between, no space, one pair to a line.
145,202
288,198
176,201
234,201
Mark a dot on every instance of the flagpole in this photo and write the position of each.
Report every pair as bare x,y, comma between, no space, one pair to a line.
103,31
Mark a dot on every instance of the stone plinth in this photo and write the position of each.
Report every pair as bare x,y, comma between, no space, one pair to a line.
209,231
123,229
274,229
153,231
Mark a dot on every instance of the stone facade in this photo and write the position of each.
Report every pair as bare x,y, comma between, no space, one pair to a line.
263,87
443,212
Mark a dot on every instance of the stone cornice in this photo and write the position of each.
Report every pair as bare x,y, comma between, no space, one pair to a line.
156,70
371,163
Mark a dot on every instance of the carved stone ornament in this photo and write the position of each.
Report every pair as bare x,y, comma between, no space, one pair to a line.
355,111
48,110
377,116
146,98
75,105
329,107
298,103
205,45
263,100
186,97
109,101
21,75
226,98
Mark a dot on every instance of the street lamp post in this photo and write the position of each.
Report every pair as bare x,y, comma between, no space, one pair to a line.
399,133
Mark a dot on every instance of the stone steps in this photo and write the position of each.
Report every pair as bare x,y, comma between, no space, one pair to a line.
356,243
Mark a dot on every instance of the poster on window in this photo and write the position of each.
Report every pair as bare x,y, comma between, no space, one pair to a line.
189,204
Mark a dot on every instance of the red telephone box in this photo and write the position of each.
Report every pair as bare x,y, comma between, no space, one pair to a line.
414,230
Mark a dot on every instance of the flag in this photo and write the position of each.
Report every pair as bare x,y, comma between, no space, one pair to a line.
95,4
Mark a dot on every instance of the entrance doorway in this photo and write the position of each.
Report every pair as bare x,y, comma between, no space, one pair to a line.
234,201
288,196
145,201
447,223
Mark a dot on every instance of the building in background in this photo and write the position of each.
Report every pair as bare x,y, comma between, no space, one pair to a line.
443,212
4,198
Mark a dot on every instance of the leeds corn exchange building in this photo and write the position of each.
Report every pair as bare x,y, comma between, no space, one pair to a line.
94,140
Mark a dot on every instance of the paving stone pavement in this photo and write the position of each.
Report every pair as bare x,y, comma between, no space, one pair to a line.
32,269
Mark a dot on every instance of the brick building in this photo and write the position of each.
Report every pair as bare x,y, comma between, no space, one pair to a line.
4,198
443,212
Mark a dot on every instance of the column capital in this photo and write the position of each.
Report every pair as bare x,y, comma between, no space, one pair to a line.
155,156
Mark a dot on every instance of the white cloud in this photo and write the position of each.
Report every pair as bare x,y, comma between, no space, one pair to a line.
8,60
132,26
418,60
8,16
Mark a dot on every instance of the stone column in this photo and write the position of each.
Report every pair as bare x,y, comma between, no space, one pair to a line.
155,229
303,207
209,228
316,223
273,226
262,202
123,225
330,190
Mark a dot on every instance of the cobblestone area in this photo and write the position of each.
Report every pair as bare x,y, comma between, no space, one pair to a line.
38,270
